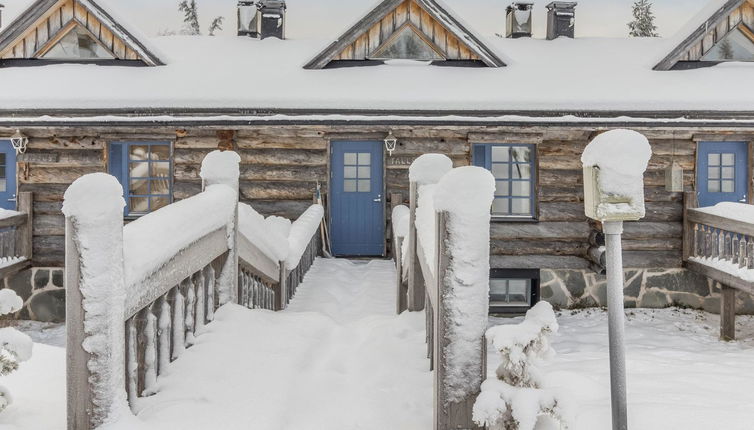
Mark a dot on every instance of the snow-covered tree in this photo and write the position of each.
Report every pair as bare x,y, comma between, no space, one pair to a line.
217,24
190,17
15,346
643,24
191,25
515,399
726,49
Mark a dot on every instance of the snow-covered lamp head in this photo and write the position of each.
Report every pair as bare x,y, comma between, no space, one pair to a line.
391,142
614,166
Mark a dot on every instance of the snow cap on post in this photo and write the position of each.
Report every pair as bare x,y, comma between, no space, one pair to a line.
221,167
614,166
429,168
92,197
466,191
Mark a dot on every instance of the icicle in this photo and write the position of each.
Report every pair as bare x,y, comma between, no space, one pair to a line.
200,321
179,332
150,353
132,365
163,336
210,293
189,315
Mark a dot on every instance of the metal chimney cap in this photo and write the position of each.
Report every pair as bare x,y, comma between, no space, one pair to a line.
520,6
562,5
273,4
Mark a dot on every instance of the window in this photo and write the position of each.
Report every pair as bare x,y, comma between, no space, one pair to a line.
513,291
738,45
145,171
407,44
721,173
78,44
357,172
514,169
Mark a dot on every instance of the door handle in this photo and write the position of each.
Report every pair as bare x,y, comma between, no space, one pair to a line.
378,199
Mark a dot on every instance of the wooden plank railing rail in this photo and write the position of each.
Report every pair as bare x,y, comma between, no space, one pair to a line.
16,237
121,338
722,249
438,280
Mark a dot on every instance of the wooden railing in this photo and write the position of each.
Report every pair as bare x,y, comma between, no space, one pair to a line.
137,330
16,238
433,279
722,249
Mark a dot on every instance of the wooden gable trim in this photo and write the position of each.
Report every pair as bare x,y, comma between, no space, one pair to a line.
701,40
44,20
373,29
416,31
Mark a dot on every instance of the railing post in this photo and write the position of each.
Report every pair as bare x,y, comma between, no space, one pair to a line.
24,233
450,413
222,168
727,313
416,289
95,300
283,296
689,202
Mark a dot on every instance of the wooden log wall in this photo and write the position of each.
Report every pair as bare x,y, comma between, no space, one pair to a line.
281,165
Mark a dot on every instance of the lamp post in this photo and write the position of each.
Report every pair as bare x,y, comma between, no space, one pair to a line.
614,166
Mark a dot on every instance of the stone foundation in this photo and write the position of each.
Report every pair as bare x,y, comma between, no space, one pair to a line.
644,288
43,293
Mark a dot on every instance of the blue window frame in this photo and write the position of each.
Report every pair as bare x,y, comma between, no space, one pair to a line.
145,170
515,172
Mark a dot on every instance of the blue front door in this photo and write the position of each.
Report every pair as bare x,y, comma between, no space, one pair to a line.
7,175
722,173
357,211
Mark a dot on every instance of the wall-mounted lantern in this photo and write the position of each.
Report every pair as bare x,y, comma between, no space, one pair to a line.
674,178
391,142
19,142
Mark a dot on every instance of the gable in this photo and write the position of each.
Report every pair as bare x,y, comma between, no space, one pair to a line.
421,24
70,30
728,30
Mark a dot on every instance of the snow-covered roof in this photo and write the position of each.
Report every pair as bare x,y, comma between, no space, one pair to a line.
215,74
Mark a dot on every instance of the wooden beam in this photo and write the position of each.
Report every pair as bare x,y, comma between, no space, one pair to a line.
727,313
24,232
416,289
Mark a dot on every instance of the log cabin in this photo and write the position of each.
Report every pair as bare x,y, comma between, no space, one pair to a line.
84,91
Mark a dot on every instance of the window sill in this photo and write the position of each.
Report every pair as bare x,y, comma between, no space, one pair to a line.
514,219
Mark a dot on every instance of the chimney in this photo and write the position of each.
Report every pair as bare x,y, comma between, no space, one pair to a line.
518,17
247,18
561,19
271,18
261,18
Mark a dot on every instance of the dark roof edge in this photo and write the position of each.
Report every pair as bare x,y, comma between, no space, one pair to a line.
241,117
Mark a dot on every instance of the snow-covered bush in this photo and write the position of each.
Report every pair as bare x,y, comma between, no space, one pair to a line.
15,346
515,399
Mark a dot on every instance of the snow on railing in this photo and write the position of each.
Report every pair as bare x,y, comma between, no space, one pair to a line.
719,244
136,296
16,237
448,255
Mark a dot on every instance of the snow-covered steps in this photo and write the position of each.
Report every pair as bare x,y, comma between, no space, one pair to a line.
337,358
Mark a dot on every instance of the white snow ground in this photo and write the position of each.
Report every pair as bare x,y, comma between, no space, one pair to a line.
339,359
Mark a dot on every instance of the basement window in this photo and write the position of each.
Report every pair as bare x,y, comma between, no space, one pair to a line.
513,291
145,170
